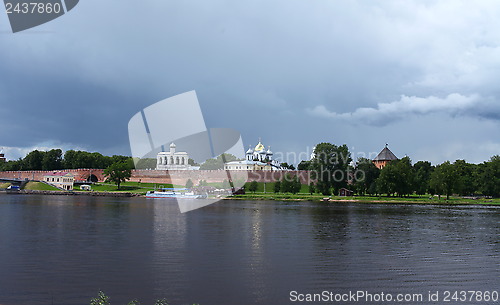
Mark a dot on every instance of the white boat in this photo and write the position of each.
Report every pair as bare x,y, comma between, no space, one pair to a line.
178,193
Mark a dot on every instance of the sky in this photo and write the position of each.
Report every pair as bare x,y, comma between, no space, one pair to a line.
421,76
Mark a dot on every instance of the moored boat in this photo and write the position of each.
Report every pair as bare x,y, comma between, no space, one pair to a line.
178,193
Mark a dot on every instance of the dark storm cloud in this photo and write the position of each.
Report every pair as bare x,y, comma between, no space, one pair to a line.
293,72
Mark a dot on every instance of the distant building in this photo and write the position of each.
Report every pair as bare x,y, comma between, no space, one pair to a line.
255,159
384,157
343,192
2,157
60,179
172,160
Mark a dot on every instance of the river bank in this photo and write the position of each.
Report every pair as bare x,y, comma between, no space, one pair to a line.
366,199
70,193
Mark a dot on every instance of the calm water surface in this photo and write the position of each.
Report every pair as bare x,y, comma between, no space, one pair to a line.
63,250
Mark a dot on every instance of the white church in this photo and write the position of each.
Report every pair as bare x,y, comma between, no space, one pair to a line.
172,160
255,159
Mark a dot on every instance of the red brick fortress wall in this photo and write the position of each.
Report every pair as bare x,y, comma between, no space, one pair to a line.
175,177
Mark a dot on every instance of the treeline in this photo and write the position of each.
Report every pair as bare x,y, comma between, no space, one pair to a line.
55,160
332,168
402,178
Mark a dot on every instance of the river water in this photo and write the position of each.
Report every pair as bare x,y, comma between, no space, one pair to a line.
63,250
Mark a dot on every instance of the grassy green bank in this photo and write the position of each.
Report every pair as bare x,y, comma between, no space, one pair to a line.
365,199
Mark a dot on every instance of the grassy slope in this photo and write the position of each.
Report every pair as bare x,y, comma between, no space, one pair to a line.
4,185
130,187
38,186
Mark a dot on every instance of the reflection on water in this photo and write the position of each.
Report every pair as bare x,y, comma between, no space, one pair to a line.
62,250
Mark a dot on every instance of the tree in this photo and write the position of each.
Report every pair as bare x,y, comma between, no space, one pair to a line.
365,175
304,165
444,179
253,186
467,182
286,184
423,171
217,163
288,166
329,166
52,160
295,185
312,188
489,177
405,174
277,186
396,177
33,160
189,184
146,163
118,172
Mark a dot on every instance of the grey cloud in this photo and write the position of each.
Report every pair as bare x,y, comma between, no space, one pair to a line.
454,104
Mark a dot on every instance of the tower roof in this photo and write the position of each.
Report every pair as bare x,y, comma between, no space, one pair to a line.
385,155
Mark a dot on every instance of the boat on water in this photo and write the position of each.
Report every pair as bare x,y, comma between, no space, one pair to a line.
178,193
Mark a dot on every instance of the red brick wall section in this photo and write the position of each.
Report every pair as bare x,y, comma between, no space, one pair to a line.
79,174
179,177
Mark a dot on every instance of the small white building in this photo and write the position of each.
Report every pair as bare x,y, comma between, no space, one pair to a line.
172,160
60,179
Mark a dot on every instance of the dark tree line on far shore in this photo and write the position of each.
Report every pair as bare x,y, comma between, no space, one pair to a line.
401,177
55,160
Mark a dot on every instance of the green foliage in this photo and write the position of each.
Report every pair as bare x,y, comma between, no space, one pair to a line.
312,188
290,184
217,163
52,159
329,166
39,186
101,299
444,179
288,166
252,187
146,163
365,175
277,186
11,165
304,165
467,177
396,177
489,177
118,172
189,184
192,162
423,171
202,183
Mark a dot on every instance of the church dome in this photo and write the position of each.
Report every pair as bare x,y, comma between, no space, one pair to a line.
172,145
259,147
249,151
269,152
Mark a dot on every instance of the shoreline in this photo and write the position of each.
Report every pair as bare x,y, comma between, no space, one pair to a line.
454,202
423,201
70,193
